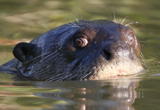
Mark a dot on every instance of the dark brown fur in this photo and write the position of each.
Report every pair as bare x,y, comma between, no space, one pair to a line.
112,50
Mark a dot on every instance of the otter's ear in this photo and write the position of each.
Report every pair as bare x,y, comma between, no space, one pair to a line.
23,51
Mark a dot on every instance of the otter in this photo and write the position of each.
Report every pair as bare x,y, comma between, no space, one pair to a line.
93,50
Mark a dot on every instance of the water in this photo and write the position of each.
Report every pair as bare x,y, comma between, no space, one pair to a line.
24,20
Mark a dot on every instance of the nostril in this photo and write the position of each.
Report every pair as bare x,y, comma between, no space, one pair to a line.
106,54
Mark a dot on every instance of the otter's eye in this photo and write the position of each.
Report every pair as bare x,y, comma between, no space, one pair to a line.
81,42
131,39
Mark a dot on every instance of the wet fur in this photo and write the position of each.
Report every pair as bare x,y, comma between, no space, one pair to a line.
53,61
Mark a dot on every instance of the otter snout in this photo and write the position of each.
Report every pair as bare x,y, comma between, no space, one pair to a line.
117,50
106,54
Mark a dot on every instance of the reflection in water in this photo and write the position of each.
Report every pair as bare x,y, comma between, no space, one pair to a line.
95,95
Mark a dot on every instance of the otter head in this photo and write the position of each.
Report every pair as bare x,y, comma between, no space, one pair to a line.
81,50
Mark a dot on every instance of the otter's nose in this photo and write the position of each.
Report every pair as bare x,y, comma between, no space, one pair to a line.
106,54
117,50
121,50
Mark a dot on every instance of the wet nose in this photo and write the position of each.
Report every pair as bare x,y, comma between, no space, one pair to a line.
106,54
116,50
121,50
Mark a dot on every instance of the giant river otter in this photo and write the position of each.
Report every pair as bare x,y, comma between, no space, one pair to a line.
93,50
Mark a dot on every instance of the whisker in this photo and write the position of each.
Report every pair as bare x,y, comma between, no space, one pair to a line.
123,20
131,23
53,54
36,57
56,77
134,23
80,15
40,69
85,76
67,76
114,15
143,58
58,48
42,56
75,17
